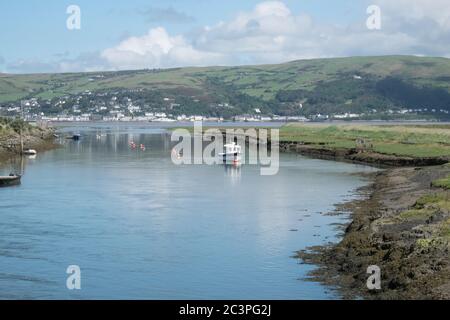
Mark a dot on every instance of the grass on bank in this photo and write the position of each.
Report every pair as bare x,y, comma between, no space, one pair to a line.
442,183
426,209
13,126
400,140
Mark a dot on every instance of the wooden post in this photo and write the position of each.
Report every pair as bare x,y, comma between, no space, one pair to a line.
21,128
21,140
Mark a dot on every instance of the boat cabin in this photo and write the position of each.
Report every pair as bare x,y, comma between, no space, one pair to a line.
232,148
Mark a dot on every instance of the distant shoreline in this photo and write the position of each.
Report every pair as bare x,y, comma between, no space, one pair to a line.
258,123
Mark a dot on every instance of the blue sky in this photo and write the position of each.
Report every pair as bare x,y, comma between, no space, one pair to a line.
34,36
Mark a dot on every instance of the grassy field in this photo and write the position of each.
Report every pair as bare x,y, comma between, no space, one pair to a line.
263,81
401,140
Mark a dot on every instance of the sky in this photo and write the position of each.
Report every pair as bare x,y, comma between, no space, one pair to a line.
138,34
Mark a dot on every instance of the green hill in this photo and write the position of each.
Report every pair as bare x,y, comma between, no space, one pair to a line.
338,85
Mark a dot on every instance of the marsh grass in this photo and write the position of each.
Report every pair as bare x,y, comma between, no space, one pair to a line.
424,213
426,207
411,141
442,183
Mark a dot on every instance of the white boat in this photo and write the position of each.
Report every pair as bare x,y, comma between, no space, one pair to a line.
232,153
29,152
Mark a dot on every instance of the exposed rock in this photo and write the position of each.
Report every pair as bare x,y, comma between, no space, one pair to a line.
413,257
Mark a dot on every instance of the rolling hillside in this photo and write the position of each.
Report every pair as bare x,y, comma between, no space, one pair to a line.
355,84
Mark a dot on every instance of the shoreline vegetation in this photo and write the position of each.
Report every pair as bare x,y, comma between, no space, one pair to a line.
379,145
38,137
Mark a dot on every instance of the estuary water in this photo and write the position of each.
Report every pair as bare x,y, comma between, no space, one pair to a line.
140,227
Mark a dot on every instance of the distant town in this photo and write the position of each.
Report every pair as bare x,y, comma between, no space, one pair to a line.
121,105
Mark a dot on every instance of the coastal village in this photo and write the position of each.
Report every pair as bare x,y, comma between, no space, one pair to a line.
122,106
122,109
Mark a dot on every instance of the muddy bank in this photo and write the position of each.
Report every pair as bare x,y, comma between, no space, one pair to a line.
367,157
41,139
402,226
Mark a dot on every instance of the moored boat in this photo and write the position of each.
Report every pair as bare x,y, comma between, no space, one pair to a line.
11,180
75,137
232,153
29,152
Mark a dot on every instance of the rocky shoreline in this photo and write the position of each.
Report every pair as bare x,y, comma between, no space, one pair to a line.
394,228
40,139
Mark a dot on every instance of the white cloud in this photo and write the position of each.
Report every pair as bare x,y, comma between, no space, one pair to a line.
157,49
272,33
266,34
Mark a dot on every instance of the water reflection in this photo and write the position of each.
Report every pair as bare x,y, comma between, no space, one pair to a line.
16,165
233,171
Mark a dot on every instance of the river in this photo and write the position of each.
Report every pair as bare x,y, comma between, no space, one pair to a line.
140,227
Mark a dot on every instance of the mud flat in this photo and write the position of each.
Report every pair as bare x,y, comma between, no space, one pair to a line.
402,225
356,156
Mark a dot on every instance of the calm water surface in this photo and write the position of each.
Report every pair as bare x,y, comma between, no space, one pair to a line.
140,227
